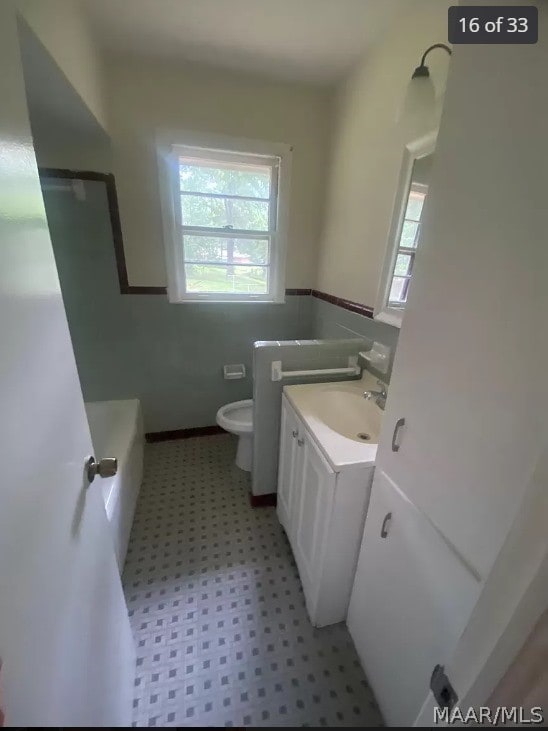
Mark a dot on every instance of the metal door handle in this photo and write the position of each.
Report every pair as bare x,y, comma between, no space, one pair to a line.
395,444
295,433
106,467
385,523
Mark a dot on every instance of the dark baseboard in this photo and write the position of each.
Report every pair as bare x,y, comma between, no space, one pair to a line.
263,501
197,431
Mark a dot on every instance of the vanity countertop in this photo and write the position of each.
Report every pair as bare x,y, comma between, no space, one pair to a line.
335,414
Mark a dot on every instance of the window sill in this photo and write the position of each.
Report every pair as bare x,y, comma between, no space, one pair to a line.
226,300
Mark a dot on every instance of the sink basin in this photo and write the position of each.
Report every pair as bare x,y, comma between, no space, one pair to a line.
345,411
345,426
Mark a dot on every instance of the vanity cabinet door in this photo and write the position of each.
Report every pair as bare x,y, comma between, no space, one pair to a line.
314,493
289,465
411,600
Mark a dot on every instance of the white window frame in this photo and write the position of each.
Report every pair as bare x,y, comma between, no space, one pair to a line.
170,146
384,311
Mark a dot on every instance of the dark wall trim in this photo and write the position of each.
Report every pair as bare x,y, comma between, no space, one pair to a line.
344,303
114,214
132,289
74,174
125,287
196,431
298,292
263,501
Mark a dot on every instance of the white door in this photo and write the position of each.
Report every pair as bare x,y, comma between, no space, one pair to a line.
288,467
313,500
65,640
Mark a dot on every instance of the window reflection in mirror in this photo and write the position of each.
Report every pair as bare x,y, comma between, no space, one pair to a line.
410,231
405,229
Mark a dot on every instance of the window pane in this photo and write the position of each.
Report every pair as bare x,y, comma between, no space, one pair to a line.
217,213
225,250
398,290
403,264
219,279
234,179
409,234
415,203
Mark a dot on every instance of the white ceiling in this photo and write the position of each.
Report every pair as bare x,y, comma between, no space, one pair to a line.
315,41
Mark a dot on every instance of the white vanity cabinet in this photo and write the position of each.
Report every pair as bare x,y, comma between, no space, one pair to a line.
323,512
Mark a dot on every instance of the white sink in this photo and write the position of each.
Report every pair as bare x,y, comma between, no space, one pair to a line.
345,411
345,426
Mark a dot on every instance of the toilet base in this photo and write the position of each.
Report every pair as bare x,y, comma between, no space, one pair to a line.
244,454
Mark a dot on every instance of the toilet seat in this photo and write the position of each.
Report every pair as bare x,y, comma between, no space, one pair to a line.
236,417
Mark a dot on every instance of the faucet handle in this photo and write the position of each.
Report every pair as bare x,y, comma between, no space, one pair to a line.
384,388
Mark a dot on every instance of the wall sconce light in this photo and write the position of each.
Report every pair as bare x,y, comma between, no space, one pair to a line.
419,107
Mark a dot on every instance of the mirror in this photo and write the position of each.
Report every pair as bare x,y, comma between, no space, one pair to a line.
405,230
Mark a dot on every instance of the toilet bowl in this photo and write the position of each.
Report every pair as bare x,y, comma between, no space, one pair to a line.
237,418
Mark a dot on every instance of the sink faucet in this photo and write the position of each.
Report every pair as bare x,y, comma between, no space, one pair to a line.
378,396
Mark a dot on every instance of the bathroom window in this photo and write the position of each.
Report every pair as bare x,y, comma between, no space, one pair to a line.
405,230
228,221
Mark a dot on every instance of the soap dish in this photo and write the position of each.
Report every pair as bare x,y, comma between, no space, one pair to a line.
378,357
232,372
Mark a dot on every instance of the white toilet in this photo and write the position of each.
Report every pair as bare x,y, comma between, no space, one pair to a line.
237,418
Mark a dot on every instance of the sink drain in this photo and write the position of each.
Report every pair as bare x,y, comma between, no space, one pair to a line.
364,436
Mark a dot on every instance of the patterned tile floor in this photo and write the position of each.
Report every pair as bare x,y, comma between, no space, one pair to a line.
217,609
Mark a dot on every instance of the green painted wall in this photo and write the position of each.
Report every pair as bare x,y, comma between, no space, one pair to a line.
331,322
127,346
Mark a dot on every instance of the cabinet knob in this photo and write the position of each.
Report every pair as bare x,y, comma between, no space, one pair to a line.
295,433
300,442
395,443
